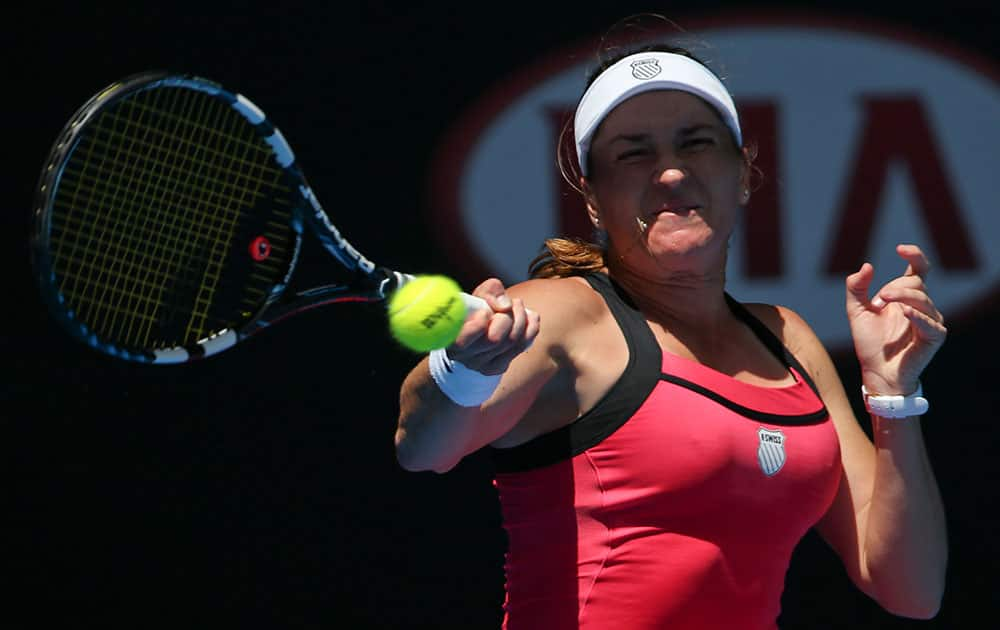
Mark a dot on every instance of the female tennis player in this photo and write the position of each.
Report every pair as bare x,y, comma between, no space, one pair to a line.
661,448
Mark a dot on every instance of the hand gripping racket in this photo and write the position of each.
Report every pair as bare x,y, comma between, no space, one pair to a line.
169,219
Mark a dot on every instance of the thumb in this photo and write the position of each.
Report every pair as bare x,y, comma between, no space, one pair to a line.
493,291
858,284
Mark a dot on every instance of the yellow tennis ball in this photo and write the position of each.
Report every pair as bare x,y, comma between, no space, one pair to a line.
427,313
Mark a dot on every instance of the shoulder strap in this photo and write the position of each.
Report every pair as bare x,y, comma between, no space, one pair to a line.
770,340
641,374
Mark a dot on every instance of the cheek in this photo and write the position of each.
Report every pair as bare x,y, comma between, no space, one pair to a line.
726,188
729,197
616,198
617,183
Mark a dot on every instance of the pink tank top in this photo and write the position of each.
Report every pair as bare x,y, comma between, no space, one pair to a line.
676,502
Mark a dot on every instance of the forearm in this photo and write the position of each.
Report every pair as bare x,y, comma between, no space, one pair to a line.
905,546
433,433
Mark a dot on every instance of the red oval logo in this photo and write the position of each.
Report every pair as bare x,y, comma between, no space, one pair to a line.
867,138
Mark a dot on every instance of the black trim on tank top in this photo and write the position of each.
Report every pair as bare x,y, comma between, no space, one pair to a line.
771,341
753,414
626,396
638,380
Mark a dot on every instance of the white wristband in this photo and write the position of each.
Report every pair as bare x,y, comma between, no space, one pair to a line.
896,406
465,387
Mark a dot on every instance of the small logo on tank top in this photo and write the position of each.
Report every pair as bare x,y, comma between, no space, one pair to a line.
770,450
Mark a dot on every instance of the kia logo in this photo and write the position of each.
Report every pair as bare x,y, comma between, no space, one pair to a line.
867,138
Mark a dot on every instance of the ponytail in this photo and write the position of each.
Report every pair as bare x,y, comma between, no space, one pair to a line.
567,257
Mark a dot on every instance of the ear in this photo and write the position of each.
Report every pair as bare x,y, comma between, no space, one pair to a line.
744,178
593,209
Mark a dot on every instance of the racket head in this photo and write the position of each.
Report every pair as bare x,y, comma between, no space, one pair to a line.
168,217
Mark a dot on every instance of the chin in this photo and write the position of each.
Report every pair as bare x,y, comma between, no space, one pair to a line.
680,242
688,251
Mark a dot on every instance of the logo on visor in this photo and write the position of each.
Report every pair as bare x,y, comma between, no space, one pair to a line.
770,451
645,69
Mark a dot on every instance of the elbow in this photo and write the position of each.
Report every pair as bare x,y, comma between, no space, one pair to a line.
912,585
914,609
414,463
922,602
928,612
414,459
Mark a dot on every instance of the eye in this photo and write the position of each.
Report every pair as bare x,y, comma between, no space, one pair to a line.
635,153
697,143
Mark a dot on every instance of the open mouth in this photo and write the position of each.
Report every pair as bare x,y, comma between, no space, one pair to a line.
680,210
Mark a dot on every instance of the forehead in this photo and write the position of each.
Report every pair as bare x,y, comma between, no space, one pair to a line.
657,110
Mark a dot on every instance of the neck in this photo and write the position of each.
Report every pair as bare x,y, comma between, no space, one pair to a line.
688,299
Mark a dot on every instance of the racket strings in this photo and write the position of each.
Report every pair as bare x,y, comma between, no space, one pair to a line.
122,260
220,246
154,196
138,277
84,284
157,138
183,244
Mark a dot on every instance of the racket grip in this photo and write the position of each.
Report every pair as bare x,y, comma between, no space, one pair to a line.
473,303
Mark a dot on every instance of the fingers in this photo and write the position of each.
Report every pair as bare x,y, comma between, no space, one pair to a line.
489,341
915,298
918,263
909,287
508,330
475,333
504,326
534,326
858,284
475,327
493,291
928,327
509,335
908,291
890,291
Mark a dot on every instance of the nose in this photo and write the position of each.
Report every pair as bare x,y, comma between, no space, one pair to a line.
671,176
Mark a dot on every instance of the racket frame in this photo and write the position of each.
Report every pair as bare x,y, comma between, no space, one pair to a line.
371,283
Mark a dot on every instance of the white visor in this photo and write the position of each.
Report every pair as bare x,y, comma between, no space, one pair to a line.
643,72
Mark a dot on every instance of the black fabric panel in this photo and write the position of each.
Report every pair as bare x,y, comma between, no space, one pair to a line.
641,374
770,418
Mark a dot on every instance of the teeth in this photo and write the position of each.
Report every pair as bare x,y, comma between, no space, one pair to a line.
675,210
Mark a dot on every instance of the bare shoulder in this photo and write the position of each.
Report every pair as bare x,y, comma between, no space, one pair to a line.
794,332
564,286
571,316
563,302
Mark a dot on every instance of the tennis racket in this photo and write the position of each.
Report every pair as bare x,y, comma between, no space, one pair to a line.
169,219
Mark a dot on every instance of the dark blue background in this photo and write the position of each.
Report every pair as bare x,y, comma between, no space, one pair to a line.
259,489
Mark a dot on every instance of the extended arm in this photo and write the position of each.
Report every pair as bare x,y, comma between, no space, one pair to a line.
435,433
887,522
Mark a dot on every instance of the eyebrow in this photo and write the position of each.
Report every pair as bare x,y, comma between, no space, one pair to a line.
693,129
684,131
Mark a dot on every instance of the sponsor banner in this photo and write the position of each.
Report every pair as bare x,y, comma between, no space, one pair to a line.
867,138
